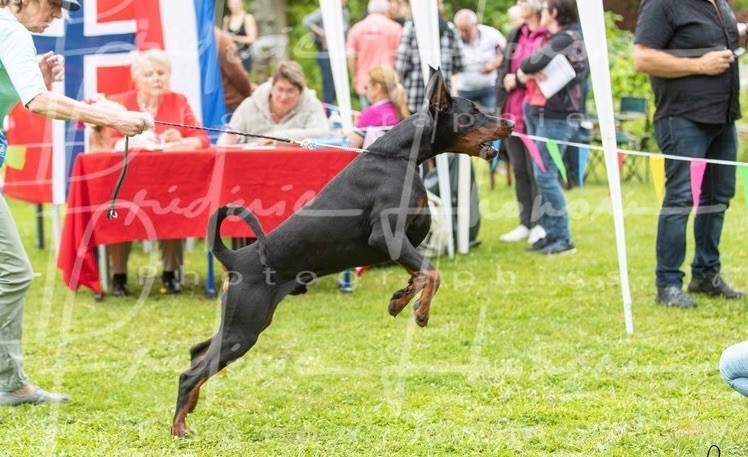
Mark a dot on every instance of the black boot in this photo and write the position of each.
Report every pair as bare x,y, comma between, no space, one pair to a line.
119,285
171,283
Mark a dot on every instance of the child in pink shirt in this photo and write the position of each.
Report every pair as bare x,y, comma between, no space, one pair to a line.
387,102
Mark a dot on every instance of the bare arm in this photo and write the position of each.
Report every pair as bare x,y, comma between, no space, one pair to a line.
494,64
174,140
319,31
664,65
250,28
184,143
743,34
56,106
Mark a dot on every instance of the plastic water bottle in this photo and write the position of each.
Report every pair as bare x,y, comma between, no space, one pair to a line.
336,122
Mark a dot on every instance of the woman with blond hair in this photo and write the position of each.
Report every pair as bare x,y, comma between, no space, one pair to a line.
151,72
387,103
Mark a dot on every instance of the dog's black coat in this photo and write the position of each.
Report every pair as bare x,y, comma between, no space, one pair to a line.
374,210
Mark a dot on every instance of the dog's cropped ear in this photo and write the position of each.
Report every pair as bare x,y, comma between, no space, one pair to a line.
440,100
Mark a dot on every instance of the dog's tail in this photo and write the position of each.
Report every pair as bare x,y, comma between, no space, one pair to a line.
225,255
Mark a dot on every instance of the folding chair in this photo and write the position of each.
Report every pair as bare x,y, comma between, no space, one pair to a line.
633,109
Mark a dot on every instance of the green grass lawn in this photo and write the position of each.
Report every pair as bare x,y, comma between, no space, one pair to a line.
523,355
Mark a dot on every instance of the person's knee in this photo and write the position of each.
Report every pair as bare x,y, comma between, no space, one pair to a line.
678,197
19,279
734,362
547,182
725,368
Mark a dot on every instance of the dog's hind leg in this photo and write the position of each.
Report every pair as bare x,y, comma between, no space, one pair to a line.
246,313
198,351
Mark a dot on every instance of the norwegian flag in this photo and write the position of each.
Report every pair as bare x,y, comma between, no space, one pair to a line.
98,44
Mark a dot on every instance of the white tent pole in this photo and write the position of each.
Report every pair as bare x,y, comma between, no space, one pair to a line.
59,159
59,172
593,27
332,18
463,204
426,23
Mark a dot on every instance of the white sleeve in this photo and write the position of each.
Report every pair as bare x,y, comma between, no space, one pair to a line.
18,55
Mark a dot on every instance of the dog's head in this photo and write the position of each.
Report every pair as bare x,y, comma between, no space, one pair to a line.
460,125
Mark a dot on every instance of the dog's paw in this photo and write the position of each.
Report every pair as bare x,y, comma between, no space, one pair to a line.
421,320
179,430
397,303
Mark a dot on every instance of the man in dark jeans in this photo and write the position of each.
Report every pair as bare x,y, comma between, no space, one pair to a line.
686,47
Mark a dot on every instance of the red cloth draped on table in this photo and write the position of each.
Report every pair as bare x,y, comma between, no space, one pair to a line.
169,195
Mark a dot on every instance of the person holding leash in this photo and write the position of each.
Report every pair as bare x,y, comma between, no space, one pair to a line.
24,78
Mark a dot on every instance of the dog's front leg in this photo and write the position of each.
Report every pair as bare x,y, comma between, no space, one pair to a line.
423,276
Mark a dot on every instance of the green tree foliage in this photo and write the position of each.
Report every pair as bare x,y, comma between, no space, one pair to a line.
625,80
301,44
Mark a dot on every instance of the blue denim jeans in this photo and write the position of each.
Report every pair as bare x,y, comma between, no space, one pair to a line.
555,217
485,97
733,365
328,84
682,137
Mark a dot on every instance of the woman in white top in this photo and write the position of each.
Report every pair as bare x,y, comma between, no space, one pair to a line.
282,107
24,78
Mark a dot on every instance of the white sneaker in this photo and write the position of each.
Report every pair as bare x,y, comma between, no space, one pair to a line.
518,234
536,233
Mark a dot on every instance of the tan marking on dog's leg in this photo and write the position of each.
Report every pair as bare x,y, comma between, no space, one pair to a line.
179,426
423,305
402,297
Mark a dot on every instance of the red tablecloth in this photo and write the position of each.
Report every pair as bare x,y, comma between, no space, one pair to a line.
172,195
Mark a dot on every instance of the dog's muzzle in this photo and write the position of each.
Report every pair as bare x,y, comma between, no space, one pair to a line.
487,151
505,128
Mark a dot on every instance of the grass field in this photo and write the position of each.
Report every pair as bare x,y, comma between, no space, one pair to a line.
523,355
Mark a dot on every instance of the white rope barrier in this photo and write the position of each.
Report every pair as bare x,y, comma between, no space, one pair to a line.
632,152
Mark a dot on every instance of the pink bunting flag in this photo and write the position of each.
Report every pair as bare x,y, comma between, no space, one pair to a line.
697,177
532,148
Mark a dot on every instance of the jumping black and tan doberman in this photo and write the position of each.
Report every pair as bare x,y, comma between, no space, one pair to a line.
373,211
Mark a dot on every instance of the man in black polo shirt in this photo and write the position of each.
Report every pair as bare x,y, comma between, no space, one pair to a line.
686,47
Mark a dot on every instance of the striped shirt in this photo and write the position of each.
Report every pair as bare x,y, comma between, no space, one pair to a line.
408,62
